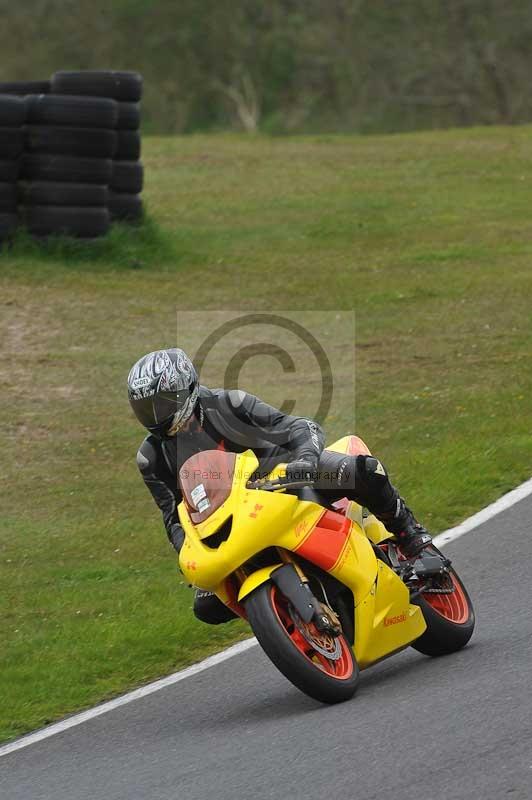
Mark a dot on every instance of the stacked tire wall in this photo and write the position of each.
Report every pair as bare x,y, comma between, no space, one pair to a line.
70,153
12,116
69,144
127,173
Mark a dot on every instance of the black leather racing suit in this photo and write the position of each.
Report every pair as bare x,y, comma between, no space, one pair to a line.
239,421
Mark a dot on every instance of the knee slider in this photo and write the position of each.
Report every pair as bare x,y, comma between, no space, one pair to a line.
207,608
371,467
203,606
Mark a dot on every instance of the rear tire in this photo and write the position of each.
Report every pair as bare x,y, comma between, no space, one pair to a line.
325,680
450,620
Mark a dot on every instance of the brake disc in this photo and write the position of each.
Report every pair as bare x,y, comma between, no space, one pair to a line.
323,643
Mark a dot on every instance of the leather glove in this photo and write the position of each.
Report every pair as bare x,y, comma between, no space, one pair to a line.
177,537
304,469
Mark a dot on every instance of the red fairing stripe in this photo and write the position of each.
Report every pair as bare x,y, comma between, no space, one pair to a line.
326,541
232,602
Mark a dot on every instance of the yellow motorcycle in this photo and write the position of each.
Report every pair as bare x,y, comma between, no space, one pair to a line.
325,588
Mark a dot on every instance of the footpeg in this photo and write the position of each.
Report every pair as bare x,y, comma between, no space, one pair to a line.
430,565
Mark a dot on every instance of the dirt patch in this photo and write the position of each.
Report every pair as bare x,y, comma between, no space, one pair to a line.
67,392
26,332
25,431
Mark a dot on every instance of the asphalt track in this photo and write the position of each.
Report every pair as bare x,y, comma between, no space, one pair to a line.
455,727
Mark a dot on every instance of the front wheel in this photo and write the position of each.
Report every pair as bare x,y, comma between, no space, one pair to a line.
449,614
319,664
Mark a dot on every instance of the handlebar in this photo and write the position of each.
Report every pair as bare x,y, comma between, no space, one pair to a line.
279,483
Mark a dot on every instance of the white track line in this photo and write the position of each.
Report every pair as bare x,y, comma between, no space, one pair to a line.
103,708
506,501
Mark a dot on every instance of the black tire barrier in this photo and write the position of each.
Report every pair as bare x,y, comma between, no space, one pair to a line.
123,86
87,112
22,88
12,111
9,170
66,169
125,207
127,146
11,143
128,117
85,223
8,198
8,225
46,193
66,141
58,138
127,177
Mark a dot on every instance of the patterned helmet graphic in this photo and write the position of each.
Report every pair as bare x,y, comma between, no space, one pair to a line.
163,390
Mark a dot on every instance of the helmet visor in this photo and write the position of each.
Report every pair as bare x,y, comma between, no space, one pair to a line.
154,411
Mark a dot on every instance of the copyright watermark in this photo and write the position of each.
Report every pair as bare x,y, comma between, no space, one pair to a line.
229,475
299,363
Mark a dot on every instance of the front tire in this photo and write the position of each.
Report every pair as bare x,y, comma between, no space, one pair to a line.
273,621
450,618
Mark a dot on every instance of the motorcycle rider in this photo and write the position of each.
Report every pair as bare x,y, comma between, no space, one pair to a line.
184,418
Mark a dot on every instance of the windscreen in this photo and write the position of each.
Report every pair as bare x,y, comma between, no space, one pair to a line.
206,480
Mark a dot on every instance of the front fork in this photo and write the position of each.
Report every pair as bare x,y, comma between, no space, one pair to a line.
294,585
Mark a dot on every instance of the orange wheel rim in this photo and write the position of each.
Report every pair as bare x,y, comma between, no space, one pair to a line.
453,606
341,668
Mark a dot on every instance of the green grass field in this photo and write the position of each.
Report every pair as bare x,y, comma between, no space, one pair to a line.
427,236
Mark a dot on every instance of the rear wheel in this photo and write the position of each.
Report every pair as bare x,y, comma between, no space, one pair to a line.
449,615
319,664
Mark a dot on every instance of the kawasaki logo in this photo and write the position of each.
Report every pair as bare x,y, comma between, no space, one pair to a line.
394,620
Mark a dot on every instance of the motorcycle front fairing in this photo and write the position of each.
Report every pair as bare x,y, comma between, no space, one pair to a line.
227,533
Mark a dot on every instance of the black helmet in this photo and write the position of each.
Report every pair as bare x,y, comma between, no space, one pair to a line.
163,390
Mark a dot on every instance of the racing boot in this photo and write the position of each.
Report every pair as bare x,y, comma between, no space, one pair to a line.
411,536
375,490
